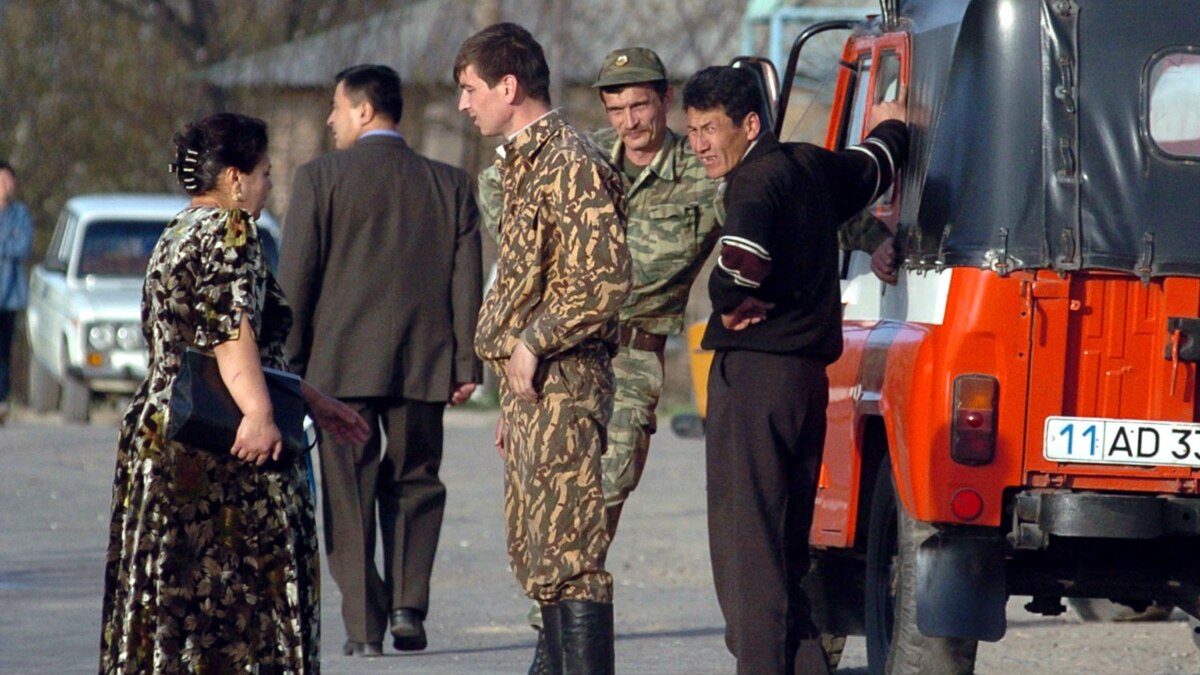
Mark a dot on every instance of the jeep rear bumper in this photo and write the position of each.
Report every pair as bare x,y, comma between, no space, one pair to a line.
1038,514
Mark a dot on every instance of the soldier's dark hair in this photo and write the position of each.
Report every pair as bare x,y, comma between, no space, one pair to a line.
5,166
206,148
506,49
660,87
379,85
734,90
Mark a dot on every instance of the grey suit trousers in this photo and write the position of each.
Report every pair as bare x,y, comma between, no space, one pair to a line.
395,474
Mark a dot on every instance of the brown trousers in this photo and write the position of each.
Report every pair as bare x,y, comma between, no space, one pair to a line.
553,497
398,480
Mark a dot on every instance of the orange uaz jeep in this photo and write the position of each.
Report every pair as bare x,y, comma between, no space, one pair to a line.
1018,415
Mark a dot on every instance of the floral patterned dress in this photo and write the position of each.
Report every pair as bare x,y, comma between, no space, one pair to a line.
212,562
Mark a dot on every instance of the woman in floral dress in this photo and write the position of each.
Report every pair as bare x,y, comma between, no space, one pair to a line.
212,559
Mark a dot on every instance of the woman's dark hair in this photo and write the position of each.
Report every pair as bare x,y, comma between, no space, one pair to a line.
207,147
506,49
734,90
379,85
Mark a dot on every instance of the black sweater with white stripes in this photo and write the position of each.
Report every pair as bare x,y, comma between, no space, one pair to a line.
783,205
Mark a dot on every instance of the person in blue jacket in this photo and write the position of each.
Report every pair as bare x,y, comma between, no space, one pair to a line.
16,241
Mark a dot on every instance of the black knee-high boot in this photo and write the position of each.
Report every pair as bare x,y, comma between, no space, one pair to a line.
587,638
547,659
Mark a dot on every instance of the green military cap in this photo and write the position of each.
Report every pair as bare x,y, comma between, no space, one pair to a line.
632,65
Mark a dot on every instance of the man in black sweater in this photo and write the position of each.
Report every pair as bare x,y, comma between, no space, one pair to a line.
776,324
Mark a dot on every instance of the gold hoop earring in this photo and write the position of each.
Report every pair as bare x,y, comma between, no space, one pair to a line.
238,196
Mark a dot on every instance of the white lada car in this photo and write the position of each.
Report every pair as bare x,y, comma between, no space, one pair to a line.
84,313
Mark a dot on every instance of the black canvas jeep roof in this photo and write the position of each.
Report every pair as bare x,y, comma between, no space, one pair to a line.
1060,134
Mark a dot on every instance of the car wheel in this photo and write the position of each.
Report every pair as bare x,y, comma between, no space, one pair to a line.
894,644
76,398
43,388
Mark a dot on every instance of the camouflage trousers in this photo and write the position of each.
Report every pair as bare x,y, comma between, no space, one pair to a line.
553,498
638,375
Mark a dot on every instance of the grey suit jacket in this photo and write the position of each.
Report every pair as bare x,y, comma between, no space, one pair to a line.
381,264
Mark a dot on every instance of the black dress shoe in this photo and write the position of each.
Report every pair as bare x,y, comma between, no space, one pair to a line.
352,648
408,631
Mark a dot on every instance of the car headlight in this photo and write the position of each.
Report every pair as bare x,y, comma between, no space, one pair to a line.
129,337
102,337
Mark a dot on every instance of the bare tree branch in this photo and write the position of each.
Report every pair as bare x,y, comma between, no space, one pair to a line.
164,15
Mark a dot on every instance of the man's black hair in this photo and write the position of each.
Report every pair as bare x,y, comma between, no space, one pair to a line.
379,85
734,90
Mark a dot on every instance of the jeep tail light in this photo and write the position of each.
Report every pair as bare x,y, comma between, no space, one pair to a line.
973,431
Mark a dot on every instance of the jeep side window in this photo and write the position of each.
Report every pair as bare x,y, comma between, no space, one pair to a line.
1174,104
887,86
852,131
877,78
887,77
862,98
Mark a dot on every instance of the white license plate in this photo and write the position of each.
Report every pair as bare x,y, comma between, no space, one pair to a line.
1107,441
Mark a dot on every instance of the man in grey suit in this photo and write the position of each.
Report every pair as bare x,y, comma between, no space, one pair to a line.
381,263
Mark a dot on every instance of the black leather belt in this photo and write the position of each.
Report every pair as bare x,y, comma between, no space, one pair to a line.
636,338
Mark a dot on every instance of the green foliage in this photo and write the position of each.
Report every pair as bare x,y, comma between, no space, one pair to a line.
92,90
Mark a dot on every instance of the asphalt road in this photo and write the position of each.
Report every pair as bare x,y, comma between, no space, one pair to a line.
55,484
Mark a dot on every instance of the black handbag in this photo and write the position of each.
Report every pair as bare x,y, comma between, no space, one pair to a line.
202,414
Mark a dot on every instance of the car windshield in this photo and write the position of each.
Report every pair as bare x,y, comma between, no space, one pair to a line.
118,248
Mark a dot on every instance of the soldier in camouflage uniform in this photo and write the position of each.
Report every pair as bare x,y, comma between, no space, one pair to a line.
672,228
548,329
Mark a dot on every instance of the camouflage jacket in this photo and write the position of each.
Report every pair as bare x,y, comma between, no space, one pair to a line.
563,268
672,229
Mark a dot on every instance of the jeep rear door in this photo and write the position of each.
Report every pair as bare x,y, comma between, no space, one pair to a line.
1114,336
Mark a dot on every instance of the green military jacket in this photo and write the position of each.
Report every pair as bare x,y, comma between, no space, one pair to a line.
672,229
563,268
490,198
